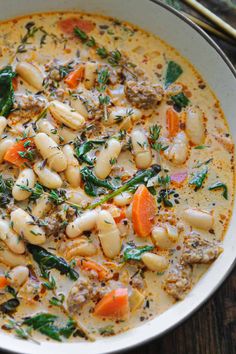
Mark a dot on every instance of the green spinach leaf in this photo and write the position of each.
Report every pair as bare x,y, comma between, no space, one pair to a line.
6,90
180,100
199,178
92,183
132,252
220,185
173,72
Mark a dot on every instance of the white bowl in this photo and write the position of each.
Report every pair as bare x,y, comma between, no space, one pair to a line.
216,69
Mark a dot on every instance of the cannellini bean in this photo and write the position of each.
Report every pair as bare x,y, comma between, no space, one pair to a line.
47,177
5,144
24,225
10,238
160,237
109,234
11,259
46,127
178,151
141,148
26,178
85,222
31,74
106,158
79,106
41,207
172,232
118,114
199,218
67,134
18,275
82,247
3,124
51,152
195,126
90,74
123,199
72,171
155,262
66,115
78,196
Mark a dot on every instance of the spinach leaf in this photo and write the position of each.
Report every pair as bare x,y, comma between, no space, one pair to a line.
69,328
9,306
107,330
199,178
173,72
39,320
44,323
84,148
141,177
132,252
5,191
6,90
91,182
46,261
180,100
220,185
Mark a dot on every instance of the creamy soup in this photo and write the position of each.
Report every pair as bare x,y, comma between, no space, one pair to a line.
116,183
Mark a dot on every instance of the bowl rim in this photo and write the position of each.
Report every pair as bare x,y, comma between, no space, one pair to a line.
227,274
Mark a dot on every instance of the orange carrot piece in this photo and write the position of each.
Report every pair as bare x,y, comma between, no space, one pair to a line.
12,155
3,281
115,304
143,211
121,216
68,25
178,178
101,271
172,120
73,79
14,83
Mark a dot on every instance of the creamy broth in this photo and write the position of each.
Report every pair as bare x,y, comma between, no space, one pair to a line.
117,176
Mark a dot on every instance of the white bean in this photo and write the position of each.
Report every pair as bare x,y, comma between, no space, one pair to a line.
78,196
141,148
199,218
31,74
109,234
118,114
26,178
66,115
10,238
67,134
79,106
51,152
72,171
172,232
107,157
18,275
85,222
41,207
3,124
195,126
178,151
46,127
5,144
81,247
24,226
90,75
154,262
123,199
47,177
11,259
160,237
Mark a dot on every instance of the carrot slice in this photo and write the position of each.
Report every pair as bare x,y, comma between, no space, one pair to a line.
68,25
13,154
3,281
172,120
101,271
115,304
14,83
178,178
121,216
143,211
73,79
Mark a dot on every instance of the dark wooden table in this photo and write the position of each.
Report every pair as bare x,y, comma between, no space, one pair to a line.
212,330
